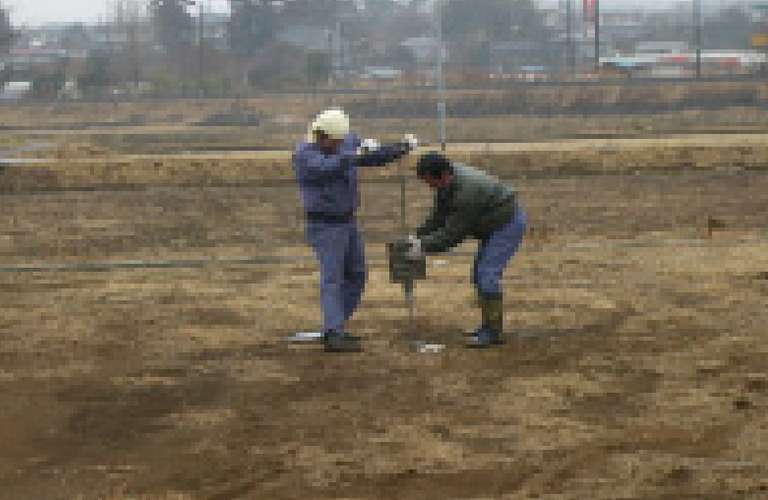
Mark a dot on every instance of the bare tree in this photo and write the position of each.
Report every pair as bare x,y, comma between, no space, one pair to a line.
132,21
7,34
173,24
494,20
251,25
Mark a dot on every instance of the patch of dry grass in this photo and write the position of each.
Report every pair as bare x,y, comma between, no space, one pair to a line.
635,368
82,166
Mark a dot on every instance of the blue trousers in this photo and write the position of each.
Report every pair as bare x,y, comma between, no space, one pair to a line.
340,251
494,254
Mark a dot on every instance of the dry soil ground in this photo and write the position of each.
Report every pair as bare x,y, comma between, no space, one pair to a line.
636,367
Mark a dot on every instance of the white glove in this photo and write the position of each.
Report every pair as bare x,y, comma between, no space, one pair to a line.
411,141
415,252
369,145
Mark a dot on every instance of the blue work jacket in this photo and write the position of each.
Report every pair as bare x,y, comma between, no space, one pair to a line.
328,183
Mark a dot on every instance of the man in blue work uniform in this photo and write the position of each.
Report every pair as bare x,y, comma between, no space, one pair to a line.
470,203
326,169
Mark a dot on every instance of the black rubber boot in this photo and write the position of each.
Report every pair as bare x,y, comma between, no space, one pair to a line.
341,342
490,333
480,302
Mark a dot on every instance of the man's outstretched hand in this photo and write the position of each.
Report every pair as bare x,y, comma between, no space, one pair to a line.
410,142
414,252
369,146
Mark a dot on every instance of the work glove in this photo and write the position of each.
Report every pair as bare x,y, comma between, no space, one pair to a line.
368,146
410,142
401,245
414,251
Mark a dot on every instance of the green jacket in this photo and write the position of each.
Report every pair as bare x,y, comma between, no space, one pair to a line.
474,205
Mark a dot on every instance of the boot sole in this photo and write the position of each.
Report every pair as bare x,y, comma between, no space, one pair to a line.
475,344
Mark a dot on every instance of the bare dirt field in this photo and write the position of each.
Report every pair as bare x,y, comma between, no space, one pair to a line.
637,365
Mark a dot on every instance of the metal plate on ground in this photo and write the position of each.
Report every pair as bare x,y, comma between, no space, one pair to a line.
305,337
424,347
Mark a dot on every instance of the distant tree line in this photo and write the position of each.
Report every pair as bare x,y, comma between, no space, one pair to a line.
7,32
159,41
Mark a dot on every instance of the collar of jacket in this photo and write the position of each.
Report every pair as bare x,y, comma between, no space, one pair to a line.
350,142
449,191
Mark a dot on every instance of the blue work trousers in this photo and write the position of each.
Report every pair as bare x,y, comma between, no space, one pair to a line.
341,254
495,252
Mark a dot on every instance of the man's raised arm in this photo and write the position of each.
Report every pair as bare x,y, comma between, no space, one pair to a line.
371,154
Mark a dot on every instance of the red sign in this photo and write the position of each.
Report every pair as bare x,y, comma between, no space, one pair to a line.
589,9
676,59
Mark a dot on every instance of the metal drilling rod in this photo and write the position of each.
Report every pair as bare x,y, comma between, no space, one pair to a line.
408,286
403,226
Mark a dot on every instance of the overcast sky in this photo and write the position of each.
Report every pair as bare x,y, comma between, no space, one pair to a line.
42,11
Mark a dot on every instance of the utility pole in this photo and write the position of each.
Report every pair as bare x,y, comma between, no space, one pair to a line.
201,54
597,36
697,34
133,20
571,55
441,111
334,52
108,26
337,53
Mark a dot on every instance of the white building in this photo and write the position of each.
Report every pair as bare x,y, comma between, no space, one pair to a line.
13,91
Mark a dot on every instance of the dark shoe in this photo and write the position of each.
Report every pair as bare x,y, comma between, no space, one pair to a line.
484,337
341,342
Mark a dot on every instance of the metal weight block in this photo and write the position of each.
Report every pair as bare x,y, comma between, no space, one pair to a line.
403,269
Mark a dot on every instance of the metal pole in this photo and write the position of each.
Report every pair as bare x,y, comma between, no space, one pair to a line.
409,299
135,21
408,286
109,27
334,35
403,226
440,78
337,54
597,36
697,34
200,47
571,55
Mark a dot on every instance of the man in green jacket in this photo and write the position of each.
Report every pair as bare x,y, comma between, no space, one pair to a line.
472,204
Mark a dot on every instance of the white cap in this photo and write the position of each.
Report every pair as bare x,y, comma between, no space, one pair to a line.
333,122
